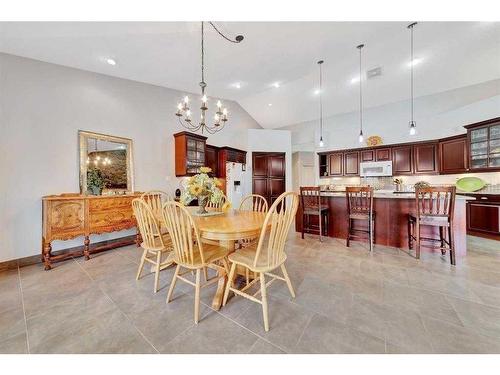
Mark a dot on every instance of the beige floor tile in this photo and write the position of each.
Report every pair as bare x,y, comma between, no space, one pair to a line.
323,335
263,347
215,335
16,344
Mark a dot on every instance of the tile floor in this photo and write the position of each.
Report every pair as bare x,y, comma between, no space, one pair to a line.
348,301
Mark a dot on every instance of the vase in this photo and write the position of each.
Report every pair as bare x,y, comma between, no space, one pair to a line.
202,204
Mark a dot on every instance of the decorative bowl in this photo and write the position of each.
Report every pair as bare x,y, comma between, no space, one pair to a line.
374,140
470,184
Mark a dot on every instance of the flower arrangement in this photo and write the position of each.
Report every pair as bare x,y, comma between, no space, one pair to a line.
203,188
95,181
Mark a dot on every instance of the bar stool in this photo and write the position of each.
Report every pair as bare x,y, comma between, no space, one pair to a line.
434,208
310,197
360,207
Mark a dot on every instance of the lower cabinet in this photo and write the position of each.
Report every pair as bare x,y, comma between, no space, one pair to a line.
483,217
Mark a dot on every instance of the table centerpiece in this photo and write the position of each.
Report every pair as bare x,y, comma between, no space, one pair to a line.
204,188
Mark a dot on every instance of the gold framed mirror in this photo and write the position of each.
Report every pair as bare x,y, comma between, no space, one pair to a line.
106,164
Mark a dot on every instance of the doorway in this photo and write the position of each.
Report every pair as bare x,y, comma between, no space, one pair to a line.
268,174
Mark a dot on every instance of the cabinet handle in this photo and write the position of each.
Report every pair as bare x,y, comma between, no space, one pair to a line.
484,198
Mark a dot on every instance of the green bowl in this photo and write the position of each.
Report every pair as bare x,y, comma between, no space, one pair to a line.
470,184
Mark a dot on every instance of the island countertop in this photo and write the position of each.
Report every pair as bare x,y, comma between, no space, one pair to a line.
391,219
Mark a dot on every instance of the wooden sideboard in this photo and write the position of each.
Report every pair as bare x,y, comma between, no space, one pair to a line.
68,216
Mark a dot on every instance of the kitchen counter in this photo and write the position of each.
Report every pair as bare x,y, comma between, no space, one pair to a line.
388,194
391,219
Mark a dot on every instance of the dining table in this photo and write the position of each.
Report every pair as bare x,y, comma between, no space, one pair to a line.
228,228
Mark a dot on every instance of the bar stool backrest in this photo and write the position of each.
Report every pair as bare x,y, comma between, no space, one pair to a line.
310,198
436,201
359,199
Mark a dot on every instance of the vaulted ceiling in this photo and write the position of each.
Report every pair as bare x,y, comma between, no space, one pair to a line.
451,55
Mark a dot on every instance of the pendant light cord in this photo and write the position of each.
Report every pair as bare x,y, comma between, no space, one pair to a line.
320,99
360,92
202,51
411,72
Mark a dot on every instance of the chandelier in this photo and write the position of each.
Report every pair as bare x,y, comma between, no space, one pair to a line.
97,159
184,113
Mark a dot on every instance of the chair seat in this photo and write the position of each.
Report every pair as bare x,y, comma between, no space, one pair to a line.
314,210
433,220
211,253
246,257
361,215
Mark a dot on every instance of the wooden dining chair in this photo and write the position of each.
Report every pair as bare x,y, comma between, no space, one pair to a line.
155,245
268,254
313,206
218,204
255,203
190,253
360,208
434,207
156,199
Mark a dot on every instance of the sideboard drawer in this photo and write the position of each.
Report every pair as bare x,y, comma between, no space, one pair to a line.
111,220
111,203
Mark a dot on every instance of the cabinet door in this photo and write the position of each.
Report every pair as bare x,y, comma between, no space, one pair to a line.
276,166
259,166
453,155
383,154
335,164
483,217
368,155
212,159
426,158
402,160
351,164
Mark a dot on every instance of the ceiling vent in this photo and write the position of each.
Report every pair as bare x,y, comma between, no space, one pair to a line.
375,72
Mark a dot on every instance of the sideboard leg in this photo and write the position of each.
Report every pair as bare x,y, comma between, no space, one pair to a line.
86,249
46,256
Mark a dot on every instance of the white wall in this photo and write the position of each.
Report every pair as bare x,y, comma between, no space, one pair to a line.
42,107
437,116
265,140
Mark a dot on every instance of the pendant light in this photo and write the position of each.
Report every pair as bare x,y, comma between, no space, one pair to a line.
360,138
412,123
321,143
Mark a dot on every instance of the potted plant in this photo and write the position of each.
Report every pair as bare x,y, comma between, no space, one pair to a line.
203,188
95,181
399,184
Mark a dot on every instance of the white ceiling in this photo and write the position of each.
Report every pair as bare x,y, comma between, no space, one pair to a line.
454,54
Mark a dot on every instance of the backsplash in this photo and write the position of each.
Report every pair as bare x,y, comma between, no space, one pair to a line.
386,183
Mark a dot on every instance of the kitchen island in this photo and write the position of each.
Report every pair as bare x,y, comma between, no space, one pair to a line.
391,220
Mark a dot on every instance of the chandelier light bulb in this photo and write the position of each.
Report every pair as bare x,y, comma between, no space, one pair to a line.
188,113
179,106
186,99
219,104
204,99
216,117
224,111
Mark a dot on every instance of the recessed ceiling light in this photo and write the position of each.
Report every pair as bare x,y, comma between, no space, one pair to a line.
237,85
111,61
316,92
276,84
270,104
414,62
355,79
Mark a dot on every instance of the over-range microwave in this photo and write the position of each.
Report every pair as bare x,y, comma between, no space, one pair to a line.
375,169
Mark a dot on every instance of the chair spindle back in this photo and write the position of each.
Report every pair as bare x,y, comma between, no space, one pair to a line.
148,225
254,202
359,199
435,201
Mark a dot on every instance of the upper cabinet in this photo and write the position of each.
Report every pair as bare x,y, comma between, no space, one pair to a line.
425,158
402,160
189,153
336,164
484,145
453,155
351,163
230,155
383,154
212,159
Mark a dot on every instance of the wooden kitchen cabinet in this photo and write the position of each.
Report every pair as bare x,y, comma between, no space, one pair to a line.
483,218
383,154
189,153
367,156
453,155
484,145
336,164
351,163
402,160
425,158
229,155
212,159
